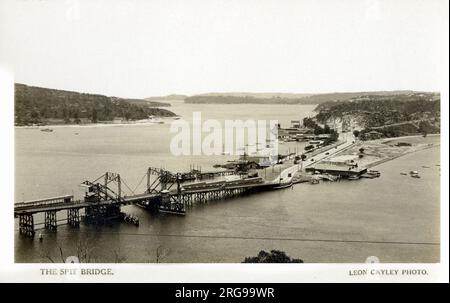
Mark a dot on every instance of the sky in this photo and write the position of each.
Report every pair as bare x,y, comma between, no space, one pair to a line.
149,48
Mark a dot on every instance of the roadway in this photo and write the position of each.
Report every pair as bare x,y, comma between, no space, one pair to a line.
348,141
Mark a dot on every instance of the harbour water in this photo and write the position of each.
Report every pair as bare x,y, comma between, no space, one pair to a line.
395,217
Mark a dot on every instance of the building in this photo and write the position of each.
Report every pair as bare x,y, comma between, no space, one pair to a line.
316,142
399,144
295,131
117,120
295,124
343,166
372,135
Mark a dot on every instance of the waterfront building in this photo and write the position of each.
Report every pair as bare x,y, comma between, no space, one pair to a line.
344,166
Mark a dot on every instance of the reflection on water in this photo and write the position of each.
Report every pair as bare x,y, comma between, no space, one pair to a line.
329,222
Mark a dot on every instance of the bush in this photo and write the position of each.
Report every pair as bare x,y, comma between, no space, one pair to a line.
275,256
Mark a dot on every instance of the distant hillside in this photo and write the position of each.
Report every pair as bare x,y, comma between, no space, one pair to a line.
259,95
321,98
241,100
167,98
373,102
281,98
41,105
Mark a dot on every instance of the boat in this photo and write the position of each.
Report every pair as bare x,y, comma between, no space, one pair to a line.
314,181
403,173
374,173
353,177
49,130
173,211
329,177
414,174
281,186
131,219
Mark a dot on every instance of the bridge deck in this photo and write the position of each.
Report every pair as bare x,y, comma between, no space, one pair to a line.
22,208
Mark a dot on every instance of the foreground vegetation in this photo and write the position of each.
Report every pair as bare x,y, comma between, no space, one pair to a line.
274,256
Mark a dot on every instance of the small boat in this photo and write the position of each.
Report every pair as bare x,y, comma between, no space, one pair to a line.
403,173
49,130
330,177
374,173
414,174
314,181
131,219
282,186
424,166
178,212
354,177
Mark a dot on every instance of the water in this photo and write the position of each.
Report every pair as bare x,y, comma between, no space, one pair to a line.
311,222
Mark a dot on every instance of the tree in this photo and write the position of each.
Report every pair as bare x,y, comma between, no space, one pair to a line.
356,133
275,256
361,150
318,130
309,122
76,117
94,118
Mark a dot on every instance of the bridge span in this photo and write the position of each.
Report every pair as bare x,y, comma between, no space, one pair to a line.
165,192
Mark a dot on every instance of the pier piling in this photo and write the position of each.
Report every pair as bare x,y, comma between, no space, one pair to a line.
50,220
26,225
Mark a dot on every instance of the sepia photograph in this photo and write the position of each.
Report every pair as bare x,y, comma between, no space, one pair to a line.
226,132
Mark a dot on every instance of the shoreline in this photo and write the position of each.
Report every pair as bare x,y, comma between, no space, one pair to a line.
401,155
391,154
161,120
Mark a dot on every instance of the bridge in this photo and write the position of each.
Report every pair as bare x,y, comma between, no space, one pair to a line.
165,192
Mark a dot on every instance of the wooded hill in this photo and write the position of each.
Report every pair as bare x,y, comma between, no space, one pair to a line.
381,110
37,105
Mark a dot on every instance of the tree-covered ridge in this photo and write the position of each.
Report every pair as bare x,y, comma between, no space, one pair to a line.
242,100
377,111
39,105
288,98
